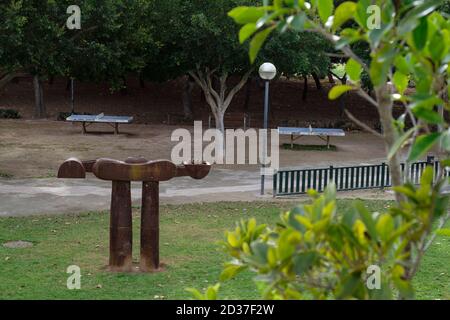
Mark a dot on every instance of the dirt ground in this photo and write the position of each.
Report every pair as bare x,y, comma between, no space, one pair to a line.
34,149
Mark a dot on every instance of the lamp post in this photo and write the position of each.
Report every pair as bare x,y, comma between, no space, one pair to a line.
267,72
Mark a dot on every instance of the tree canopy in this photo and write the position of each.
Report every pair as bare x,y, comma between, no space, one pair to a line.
157,40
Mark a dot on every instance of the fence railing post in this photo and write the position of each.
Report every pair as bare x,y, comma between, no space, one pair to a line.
274,193
291,182
383,173
431,163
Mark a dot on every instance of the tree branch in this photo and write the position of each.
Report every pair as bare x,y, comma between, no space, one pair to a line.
236,89
210,86
362,124
366,96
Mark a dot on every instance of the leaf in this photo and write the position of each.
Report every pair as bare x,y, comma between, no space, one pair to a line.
197,294
361,13
325,9
247,31
426,101
420,34
257,42
403,286
298,22
349,285
400,81
385,226
304,221
338,91
230,271
428,115
437,48
354,70
366,217
211,292
422,145
412,18
343,13
244,15
427,177
232,240
303,262
378,71
402,64
260,250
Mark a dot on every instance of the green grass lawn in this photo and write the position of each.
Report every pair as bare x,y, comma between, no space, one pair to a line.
189,235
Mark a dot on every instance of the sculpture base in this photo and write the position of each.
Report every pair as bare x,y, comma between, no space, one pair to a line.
135,268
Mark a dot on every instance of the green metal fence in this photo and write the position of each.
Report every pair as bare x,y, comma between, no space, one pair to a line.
292,182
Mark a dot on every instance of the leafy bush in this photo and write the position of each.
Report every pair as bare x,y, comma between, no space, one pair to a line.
314,252
9,114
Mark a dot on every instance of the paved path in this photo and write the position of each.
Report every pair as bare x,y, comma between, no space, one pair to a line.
22,197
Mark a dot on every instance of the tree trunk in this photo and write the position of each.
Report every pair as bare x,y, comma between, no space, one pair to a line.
330,78
305,88
187,98
385,106
141,82
39,110
219,118
317,81
220,100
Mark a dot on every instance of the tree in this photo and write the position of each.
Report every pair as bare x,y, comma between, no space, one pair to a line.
412,41
190,43
115,40
30,42
112,42
299,54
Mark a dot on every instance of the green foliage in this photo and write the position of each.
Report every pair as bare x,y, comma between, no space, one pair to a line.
312,253
298,53
315,252
9,114
195,35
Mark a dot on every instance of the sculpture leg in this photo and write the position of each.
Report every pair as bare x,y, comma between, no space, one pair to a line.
121,232
150,226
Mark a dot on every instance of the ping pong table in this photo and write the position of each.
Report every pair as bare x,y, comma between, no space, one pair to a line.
87,120
323,134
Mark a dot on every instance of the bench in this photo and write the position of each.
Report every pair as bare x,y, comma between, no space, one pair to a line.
87,120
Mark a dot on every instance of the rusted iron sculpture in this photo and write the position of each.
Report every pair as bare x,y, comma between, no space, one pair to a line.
121,173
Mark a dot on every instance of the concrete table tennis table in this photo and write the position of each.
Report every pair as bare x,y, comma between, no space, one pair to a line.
87,120
323,134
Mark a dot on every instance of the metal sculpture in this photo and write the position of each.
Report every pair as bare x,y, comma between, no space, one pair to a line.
121,173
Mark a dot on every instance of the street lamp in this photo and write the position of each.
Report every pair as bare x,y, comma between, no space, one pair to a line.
267,72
